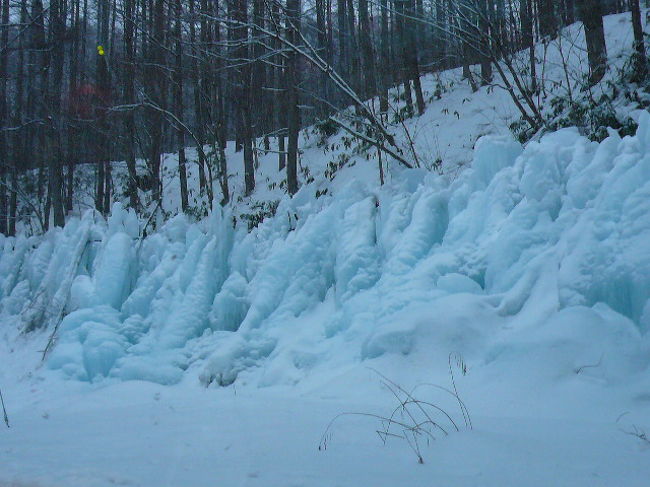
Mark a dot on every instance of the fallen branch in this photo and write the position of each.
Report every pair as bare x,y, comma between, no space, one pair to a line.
378,144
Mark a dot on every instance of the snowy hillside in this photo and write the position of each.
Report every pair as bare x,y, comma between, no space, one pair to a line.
206,354
534,266
443,138
560,224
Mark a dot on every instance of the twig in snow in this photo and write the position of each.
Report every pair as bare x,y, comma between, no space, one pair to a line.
597,364
416,418
4,410
637,432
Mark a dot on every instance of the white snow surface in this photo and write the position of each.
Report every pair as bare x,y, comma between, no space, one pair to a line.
207,355
524,236
534,265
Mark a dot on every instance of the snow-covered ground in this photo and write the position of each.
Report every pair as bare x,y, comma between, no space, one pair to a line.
143,434
205,354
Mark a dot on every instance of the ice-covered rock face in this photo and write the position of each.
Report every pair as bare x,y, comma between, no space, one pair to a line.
526,234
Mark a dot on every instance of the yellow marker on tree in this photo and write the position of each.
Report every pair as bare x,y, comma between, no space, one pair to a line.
100,50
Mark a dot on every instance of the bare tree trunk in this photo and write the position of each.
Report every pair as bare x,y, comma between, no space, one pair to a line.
178,102
323,49
129,96
279,83
342,25
464,20
640,59
354,53
22,137
366,49
384,46
242,59
108,185
100,179
293,113
496,13
485,24
104,84
592,18
198,101
55,126
157,82
412,51
569,12
4,112
403,50
220,123
548,18
73,86
529,40
259,97
37,91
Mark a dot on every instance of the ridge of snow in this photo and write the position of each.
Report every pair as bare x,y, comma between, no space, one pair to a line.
564,217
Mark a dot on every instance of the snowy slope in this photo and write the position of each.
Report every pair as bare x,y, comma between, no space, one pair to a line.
446,134
533,265
560,224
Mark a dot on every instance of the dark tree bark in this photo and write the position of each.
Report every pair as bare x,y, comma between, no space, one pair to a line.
258,73
640,59
366,50
55,128
4,112
242,59
384,46
548,25
323,48
293,110
21,137
36,89
279,83
592,18
178,102
568,13
412,55
355,78
402,39
342,25
496,12
129,98
487,23
219,134
529,40
198,91
73,85
156,55
468,44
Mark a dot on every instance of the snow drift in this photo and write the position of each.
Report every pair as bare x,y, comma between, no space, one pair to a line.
554,238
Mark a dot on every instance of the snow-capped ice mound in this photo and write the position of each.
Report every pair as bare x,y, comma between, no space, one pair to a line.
553,236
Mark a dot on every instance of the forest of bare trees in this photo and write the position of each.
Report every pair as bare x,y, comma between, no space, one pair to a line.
94,81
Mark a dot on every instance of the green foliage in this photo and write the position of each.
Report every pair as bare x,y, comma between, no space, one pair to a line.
404,113
521,130
261,211
594,115
325,129
306,174
334,166
198,211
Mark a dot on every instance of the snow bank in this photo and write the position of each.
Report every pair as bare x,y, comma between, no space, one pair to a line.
552,238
